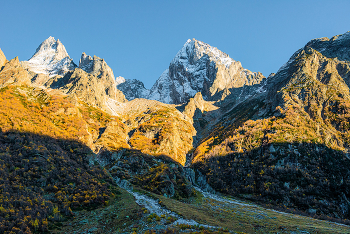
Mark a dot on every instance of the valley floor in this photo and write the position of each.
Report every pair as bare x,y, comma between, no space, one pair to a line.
206,212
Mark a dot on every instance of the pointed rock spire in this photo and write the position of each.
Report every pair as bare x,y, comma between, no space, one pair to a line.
2,59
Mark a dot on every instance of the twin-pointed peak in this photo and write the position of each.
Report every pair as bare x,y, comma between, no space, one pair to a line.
95,66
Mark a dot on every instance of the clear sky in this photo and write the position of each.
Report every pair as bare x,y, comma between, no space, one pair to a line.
138,39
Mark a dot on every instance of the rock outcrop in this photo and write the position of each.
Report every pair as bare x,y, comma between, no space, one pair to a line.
99,68
88,88
197,106
14,73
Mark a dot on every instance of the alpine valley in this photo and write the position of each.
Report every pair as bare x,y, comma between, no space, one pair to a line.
211,148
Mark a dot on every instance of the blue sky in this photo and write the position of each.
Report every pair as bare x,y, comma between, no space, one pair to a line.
138,39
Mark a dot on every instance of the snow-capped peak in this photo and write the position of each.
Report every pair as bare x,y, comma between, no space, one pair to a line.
194,50
194,69
119,80
50,58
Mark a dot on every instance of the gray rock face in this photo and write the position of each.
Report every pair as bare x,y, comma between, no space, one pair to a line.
99,68
199,67
50,58
198,179
94,90
336,47
133,88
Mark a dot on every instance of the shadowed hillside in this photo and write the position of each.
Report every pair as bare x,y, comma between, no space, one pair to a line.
307,177
43,179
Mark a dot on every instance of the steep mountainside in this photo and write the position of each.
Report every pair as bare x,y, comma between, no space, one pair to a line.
50,58
157,128
298,127
46,167
198,67
99,68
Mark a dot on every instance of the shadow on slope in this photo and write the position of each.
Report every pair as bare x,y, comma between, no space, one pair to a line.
307,178
42,179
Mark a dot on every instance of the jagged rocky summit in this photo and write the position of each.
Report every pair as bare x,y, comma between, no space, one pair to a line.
197,67
98,67
50,58
314,77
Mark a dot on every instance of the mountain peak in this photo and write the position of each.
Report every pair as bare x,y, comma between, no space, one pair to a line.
194,50
51,45
336,47
95,66
50,58
200,67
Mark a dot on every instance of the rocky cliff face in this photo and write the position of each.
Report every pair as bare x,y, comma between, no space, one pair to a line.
199,67
50,58
133,89
88,88
314,77
93,82
99,68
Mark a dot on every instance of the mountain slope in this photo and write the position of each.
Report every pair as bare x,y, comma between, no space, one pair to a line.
157,128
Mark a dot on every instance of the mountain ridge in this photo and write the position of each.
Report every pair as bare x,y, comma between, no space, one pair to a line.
197,67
